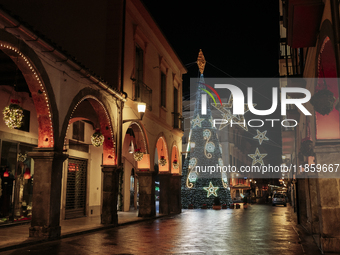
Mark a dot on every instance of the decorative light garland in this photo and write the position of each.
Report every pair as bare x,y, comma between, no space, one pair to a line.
13,115
112,155
175,164
97,139
42,87
192,176
138,155
162,161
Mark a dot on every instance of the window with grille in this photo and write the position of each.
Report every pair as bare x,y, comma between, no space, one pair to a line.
76,188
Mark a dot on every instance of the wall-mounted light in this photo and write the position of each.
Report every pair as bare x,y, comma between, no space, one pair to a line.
141,107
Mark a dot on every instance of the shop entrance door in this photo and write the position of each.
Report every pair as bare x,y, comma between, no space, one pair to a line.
76,188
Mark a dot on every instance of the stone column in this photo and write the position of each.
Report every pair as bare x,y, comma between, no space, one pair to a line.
328,192
175,194
110,194
48,165
164,193
146,181
315,224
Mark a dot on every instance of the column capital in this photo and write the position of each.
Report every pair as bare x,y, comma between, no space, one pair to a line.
164,173
177,176
145,173
111,168
47,153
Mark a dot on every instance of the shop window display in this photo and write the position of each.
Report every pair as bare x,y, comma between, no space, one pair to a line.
16,182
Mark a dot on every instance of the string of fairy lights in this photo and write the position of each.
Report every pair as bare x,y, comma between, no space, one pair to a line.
13,114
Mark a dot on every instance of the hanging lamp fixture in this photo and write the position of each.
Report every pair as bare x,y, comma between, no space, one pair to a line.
131,147
27,174
6,173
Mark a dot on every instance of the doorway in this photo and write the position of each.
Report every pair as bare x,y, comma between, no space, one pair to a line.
76,188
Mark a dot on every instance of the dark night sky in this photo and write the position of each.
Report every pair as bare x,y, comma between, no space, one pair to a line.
239,37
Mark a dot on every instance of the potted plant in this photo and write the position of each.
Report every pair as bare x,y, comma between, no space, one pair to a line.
238,206
224,206
245,205
231,206
191,206
323,101
217,203
204,206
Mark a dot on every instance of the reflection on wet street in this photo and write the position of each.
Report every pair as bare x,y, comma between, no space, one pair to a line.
260,229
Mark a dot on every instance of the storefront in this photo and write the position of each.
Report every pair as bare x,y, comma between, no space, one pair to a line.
16,181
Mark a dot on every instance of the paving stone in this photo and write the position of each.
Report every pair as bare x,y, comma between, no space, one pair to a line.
261,229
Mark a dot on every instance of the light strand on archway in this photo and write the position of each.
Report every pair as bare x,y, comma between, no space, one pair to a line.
107,116
141,131
39,80
175,163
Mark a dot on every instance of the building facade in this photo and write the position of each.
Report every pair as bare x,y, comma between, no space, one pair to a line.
111,57
310,49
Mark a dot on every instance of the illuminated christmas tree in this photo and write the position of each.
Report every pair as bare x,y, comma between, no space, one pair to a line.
199,186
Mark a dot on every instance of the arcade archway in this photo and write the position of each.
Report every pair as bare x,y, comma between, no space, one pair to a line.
135,141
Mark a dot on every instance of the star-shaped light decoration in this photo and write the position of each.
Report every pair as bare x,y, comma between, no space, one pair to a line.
257,157
197,121
211,190
211,120
261,136
227,114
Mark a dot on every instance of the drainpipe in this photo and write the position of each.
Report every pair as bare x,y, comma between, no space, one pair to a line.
120,126
286,55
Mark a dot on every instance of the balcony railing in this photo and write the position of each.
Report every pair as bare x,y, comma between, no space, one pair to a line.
143,94
178,121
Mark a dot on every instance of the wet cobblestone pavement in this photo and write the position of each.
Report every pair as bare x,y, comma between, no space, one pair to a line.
260,229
